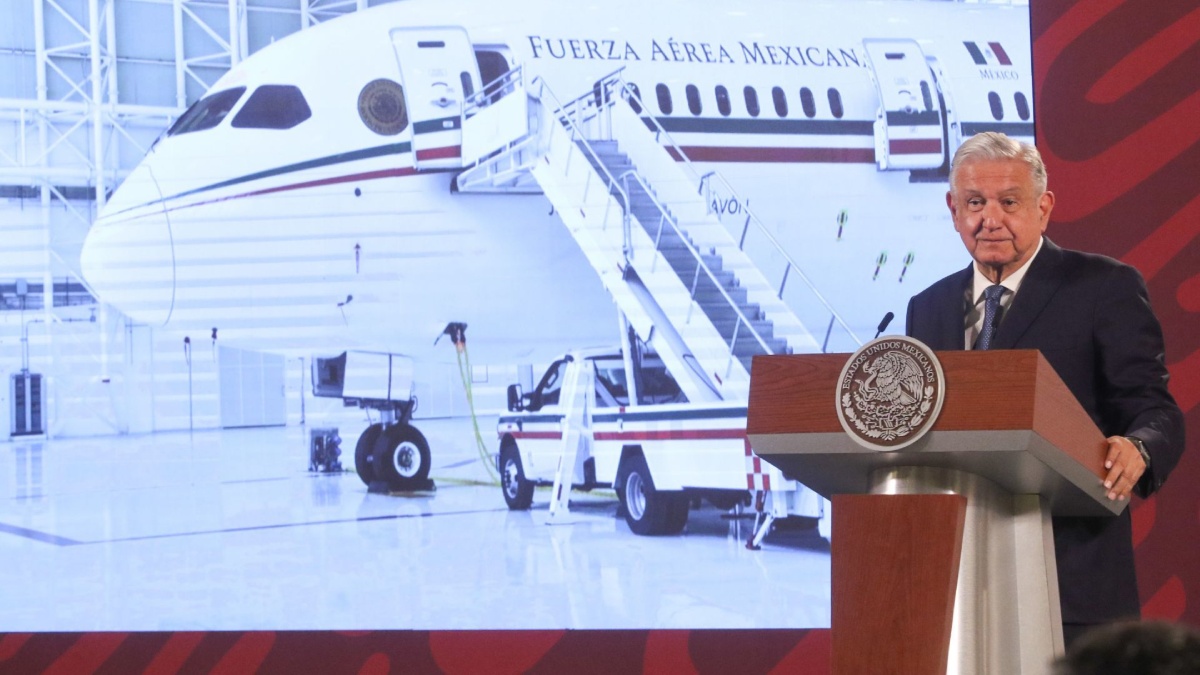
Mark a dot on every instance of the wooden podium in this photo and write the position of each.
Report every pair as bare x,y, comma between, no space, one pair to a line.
943,553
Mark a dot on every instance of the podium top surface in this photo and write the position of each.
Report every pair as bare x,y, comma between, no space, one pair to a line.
1007,417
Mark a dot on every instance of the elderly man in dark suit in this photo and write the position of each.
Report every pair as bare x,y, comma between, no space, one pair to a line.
1091,318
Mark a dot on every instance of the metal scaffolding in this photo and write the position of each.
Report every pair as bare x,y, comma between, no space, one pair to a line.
78,125
96,83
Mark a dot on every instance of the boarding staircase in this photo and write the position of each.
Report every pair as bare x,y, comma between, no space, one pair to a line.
644,218
705,293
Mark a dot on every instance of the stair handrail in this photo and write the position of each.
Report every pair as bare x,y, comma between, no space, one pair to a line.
790,265
565,114
487,95
565,118
669,218
627,92
492,92
601,95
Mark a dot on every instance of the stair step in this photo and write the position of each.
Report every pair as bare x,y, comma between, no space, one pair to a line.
678,251
672,246
687,272
723,278
705,292
750,347
648,211
719,309
639,195
762,326
685,267
706,285
618,168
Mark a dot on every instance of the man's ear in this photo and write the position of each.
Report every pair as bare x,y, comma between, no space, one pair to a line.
950,203
1045,206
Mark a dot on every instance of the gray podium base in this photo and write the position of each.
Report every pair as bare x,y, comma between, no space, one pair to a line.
1007,617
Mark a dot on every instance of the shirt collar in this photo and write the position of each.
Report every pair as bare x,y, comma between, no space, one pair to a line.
1012,282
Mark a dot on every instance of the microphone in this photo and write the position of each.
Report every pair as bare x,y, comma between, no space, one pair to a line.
887,318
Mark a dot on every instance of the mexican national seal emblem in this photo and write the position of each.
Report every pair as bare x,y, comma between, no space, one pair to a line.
381,107
890,392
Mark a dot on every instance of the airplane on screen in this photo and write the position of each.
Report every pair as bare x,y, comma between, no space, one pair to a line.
310,202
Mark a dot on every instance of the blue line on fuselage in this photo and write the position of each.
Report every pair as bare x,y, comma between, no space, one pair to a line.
340,158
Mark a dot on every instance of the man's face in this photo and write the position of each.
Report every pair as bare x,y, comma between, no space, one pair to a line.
998,213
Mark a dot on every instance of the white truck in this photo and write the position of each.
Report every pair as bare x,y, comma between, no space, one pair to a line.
581,427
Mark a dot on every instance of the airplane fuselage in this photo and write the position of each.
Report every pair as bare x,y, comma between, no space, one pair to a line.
343,229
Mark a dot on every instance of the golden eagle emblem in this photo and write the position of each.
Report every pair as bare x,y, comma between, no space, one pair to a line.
889,392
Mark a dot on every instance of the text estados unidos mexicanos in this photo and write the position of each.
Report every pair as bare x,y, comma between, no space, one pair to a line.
891,345
683,51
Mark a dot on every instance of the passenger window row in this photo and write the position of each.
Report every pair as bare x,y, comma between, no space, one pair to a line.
808,104
779,101
997,105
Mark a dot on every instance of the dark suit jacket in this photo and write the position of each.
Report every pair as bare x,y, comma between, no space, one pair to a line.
1091,318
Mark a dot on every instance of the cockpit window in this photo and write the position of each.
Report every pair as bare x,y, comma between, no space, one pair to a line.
273,106
207,112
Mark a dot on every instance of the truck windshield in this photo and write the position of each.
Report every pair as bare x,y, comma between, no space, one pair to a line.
655,384
550,387
611,388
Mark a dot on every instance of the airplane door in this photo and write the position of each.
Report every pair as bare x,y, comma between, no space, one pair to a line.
908,124
951,131
439,71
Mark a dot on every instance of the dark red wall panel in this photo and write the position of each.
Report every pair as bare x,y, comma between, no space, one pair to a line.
1118,112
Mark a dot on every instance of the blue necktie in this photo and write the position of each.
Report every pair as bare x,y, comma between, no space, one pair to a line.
991,308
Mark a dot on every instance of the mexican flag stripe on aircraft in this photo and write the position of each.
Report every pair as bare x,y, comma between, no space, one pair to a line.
993,54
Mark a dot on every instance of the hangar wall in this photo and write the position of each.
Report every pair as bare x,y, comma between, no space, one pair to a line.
86,86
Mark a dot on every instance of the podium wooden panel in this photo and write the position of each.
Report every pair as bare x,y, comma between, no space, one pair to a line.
951,534
1007,416
899,613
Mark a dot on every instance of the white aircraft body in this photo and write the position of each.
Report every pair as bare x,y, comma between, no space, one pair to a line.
306,204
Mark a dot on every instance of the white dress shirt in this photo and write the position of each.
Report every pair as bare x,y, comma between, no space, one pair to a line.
974,318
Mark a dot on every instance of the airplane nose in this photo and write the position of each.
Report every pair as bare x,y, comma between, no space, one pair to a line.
127,258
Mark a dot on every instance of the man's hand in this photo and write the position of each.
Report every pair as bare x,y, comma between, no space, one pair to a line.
1125,466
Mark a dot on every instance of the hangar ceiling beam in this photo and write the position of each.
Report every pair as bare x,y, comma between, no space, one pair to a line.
205,49
313,12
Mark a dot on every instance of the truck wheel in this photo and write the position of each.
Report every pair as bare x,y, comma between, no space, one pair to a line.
363,453
518,492
402,458
648,511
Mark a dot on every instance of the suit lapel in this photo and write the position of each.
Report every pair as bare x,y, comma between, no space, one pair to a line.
951,305
1041,282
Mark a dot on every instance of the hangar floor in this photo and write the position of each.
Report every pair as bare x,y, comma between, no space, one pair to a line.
228,530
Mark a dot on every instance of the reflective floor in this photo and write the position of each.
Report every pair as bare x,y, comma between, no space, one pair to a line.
229,530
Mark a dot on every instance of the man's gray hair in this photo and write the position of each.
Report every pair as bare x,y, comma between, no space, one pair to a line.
991,145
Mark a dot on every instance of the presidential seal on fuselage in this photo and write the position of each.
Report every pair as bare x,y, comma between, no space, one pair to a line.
890,392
